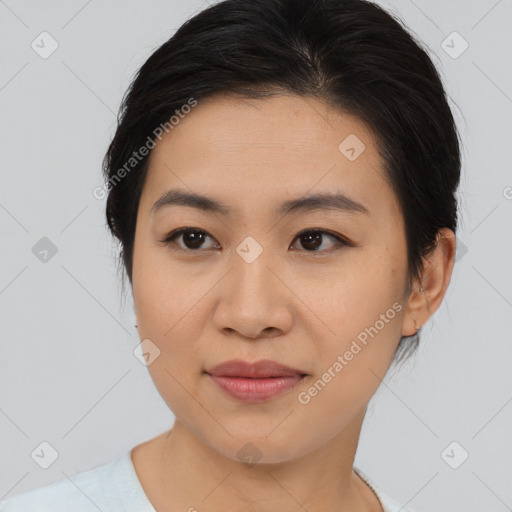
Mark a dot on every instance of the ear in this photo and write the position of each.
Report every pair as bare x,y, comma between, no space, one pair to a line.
426,297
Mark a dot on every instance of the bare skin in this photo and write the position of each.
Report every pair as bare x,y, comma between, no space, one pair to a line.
203,305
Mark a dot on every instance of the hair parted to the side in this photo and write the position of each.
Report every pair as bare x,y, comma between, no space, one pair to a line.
352,54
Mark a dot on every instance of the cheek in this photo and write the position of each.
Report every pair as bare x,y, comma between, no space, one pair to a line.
356,296
351,364
360,315
169,316
165,295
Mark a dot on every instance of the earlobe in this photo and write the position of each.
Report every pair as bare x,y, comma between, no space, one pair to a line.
414,312
428,295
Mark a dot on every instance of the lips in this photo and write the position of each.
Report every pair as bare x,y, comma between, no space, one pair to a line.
254,382
260,369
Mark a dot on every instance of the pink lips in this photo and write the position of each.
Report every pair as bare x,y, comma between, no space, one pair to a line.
254,382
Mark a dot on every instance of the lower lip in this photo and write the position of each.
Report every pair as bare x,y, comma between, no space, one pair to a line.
256,390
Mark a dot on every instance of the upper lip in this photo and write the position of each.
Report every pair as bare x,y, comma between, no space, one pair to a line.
258,369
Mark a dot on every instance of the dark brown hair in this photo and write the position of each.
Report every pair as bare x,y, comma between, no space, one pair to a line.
351,54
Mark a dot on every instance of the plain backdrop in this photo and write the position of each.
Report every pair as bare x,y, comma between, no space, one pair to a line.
68,375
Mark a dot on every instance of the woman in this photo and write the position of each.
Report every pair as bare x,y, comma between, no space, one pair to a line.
282,183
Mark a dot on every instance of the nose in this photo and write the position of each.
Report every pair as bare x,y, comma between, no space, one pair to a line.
254,301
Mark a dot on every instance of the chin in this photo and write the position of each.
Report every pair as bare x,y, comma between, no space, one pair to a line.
261,448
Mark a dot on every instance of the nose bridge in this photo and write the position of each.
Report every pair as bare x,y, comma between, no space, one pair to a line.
252,277
255,298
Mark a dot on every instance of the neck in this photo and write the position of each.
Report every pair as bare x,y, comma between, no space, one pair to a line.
188,474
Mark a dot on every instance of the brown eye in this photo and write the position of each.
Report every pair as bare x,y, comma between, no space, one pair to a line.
312,240
192,238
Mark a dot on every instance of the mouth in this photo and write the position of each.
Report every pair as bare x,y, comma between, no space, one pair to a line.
255,382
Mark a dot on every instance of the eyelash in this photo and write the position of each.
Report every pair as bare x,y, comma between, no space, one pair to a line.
341,241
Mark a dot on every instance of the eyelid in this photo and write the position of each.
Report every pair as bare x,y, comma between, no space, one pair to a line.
340,240
170,237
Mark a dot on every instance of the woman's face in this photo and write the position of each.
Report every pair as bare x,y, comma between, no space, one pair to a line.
244,285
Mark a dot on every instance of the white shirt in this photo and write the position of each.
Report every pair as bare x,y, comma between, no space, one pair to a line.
114,487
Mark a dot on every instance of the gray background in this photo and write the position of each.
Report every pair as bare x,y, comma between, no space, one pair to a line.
67,372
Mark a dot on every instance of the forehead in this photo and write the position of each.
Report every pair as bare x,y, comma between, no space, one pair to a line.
256,151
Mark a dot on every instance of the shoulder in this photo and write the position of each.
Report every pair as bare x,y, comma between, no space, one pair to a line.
388,503
100,488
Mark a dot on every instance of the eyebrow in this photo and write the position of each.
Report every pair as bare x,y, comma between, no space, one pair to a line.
321,201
